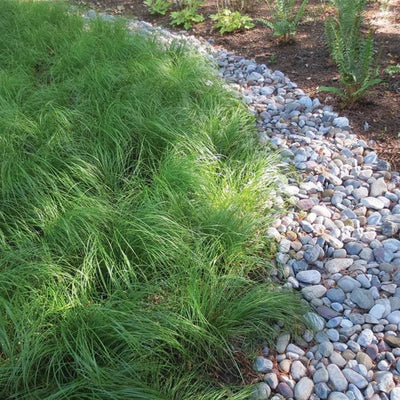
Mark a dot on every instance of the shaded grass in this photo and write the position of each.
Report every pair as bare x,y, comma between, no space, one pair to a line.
132,213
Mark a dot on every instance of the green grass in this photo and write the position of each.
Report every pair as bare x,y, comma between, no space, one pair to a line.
132,217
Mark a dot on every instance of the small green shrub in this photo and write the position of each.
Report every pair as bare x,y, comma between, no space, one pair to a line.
230,21
285,18
352,52
186,17
158,6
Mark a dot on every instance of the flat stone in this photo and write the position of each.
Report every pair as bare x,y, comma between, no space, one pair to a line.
378,187
313,292
355,378
303,389
348,284
292,348
364,359
377,311
338,264
372,203
306,204
311,276
336,378
322,211
363,298
327,312
392,340
383,255
336,295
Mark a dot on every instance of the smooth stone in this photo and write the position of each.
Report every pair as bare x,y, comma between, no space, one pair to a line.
262,365
261,392
363,298
355,391
327,312
272,380
338,264
298,370
383,255
292,348
313,292
316,321
336,295
321,375
285,390
326,349
348,284
282,342
337,359
311,276
364,359
392,340
394,317
337,396
355,378
336,378
303,389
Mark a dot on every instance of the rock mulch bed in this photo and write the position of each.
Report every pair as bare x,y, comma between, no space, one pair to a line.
338,244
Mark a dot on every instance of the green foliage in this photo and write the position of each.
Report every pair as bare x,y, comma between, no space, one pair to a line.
393,70
285,18
158,6
186,17
352,52
132,216
230,21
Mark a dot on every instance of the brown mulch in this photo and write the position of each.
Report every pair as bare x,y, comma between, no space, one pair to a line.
307,61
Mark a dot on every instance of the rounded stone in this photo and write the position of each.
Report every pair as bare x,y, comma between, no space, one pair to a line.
261,392
298,370
285,390
262,365
336,378
303,389
355,378
311,276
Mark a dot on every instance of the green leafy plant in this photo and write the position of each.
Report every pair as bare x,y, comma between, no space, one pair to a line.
186,17
158,6
231,21
393,70
285,18
352,52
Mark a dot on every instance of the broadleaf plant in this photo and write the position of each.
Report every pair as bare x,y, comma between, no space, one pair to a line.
230,21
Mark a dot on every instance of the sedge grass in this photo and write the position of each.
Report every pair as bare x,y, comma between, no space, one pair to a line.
132,212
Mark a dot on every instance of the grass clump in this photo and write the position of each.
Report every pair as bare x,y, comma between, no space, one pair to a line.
132,215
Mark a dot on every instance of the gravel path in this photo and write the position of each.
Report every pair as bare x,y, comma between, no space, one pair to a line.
338,244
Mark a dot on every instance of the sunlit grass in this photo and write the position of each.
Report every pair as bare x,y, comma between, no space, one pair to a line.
132,217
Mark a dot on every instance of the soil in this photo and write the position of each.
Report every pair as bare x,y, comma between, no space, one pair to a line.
306,60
